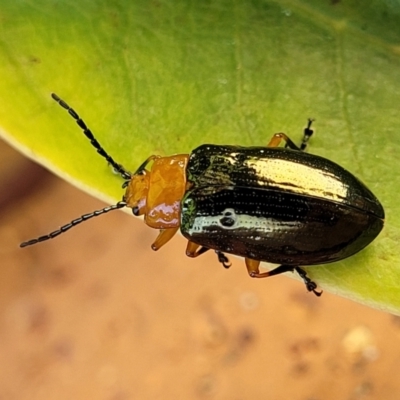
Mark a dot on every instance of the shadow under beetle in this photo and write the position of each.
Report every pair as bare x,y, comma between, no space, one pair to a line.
275,204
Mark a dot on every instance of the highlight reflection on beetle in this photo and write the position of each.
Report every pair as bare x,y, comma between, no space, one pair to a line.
275,204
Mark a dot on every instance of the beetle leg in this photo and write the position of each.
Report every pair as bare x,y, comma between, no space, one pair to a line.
310,285
277,139
163,237
254,272
194,250
223,259
306,135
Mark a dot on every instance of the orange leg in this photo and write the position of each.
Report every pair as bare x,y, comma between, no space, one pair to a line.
254,272
278,137
194,250
253,267
164,237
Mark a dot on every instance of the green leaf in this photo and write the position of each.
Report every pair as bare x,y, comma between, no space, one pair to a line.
162,77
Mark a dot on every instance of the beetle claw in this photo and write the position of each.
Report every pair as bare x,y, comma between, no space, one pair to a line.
310,285
223,259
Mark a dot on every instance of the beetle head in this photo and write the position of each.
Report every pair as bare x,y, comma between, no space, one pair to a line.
136,192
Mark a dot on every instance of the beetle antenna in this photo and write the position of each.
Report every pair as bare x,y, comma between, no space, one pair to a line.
77,221
88,133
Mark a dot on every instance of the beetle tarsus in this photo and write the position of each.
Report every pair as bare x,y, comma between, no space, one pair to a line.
310,285
223,259
306,134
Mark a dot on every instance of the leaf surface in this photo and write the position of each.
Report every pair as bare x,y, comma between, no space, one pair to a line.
163,77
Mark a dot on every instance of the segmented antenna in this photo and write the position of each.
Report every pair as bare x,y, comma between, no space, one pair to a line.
88,133
77,221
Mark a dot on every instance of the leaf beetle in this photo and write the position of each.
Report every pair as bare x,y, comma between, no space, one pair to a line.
274,204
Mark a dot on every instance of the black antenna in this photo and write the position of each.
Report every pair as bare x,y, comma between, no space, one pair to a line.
77,221
88,133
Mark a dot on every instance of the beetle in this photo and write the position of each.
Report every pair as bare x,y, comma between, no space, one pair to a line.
274,204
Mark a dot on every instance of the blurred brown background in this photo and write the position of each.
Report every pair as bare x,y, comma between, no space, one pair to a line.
95,314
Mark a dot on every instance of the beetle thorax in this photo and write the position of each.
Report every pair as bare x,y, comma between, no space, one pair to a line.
157,193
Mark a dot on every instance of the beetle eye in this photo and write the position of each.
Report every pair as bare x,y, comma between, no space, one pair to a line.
135,211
